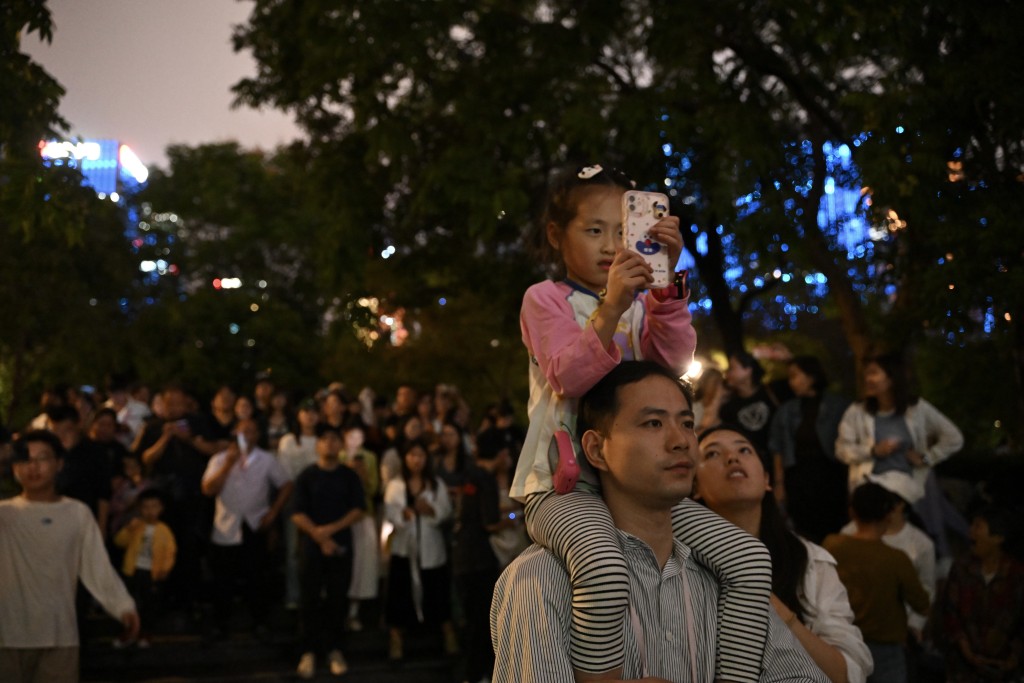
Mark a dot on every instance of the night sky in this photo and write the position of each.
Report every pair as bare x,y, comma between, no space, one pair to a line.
154,72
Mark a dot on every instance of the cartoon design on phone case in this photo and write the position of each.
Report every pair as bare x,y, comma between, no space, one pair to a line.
641,210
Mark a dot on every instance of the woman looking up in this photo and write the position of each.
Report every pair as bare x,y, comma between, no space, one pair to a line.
806,591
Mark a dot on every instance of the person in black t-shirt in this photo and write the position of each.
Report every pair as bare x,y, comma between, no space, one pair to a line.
328,500
86,473
750,403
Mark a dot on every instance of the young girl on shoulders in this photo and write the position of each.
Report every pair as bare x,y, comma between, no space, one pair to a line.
576,328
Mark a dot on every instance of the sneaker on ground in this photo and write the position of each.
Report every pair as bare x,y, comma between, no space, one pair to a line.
307,666
338,664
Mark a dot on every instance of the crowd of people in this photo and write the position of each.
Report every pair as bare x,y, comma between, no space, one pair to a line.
756,531
324,504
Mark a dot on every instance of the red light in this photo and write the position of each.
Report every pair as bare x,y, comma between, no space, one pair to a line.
216,283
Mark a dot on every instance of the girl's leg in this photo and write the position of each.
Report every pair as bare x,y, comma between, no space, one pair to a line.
578,528
744,570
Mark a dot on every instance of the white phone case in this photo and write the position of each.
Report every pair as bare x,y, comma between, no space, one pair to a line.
641,210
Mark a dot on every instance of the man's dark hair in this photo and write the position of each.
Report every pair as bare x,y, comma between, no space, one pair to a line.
601,402
150,494
37,436
324,428
63,414
1000,521
812,367
105,412
118,382
748,361
871,502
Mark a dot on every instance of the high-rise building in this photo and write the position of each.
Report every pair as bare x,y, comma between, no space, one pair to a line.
108,166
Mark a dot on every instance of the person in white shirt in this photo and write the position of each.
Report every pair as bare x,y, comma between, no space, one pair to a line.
48,544
242,479
636,430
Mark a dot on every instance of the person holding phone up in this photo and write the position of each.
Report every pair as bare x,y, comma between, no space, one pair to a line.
601,311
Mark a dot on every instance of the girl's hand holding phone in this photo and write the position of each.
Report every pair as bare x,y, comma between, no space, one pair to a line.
628,273
666,231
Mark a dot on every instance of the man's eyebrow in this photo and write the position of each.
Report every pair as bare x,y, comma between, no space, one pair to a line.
651,410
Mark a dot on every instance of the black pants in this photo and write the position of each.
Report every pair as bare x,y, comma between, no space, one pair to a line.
325,583
248,563
147,598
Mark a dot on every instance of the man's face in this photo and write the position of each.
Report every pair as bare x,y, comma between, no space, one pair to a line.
984,543
104,428
68,431
250,431
224,400
263,391
175,404
737,374
327,447
39,473
648,451
405,399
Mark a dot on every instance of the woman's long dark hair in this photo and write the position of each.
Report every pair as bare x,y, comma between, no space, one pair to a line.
429,480
461,454
896,370
789,555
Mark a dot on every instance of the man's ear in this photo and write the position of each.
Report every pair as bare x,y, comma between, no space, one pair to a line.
592,444
554,235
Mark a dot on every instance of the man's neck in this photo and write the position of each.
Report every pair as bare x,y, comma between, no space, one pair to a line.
651,525
896,525
746,390
869,531
990,562
49,495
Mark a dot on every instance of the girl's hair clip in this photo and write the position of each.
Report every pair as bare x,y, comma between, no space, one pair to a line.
588,172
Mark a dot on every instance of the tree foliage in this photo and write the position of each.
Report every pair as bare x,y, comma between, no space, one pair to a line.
461,109
64,265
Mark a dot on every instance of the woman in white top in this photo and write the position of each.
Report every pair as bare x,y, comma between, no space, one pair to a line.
892,429
419,587
806,591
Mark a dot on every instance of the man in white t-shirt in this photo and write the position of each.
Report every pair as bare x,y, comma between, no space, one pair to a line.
48,544
243,478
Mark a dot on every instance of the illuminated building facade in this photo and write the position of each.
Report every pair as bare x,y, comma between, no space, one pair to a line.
108,166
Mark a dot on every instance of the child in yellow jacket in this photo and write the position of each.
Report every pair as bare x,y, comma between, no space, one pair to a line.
148,559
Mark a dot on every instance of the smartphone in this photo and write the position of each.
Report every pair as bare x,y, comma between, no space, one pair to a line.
641,210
